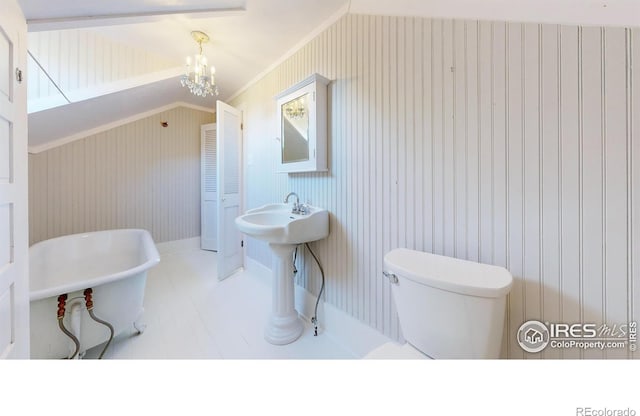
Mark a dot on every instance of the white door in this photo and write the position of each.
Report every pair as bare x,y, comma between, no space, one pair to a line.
14,233
229,139
209,185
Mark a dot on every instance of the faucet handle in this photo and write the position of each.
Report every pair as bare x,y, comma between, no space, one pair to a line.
303,209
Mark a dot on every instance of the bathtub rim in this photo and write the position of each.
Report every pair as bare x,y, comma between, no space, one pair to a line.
149,249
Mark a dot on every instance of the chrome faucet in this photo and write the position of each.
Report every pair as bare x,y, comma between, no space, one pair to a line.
297,207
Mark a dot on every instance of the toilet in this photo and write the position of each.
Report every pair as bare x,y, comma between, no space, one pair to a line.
448,308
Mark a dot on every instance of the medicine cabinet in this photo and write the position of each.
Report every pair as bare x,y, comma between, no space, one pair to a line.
302,126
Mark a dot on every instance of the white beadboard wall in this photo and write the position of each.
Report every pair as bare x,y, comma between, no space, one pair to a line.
138,175
79,59
505,143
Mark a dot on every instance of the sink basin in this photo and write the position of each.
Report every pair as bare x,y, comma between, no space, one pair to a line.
283,231
275,223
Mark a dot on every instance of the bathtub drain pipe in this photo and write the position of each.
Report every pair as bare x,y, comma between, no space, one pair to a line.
62,301
89,301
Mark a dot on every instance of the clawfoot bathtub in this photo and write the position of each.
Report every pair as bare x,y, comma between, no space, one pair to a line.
114,263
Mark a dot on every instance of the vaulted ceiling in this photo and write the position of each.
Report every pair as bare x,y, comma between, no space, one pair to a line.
247,38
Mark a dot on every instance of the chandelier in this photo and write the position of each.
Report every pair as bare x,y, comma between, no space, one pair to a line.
199,77
295,109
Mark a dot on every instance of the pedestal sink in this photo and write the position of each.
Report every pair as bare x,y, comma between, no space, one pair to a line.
284,230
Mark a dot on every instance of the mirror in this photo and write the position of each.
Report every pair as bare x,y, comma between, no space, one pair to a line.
295,129
301,126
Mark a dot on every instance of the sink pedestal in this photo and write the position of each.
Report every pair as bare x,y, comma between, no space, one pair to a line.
284,229
284,325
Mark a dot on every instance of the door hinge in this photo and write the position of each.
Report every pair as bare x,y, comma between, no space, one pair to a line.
19,76
241,126
241,243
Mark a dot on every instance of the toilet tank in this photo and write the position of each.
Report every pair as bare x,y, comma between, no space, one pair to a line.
447,307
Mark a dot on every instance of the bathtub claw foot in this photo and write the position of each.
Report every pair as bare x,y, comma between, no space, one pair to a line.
139,326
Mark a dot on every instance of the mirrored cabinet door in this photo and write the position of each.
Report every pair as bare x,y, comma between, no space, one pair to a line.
302,125
295,130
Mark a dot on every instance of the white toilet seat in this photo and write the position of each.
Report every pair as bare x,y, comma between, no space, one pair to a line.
393,350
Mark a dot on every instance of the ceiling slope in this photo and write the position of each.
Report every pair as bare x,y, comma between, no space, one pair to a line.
64,124
242,45
249,38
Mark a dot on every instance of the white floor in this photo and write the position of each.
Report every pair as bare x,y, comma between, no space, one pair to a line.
190,314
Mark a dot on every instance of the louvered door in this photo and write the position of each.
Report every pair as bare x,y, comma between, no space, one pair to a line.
209,191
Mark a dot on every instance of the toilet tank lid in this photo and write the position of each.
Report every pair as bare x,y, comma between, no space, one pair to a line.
448,273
